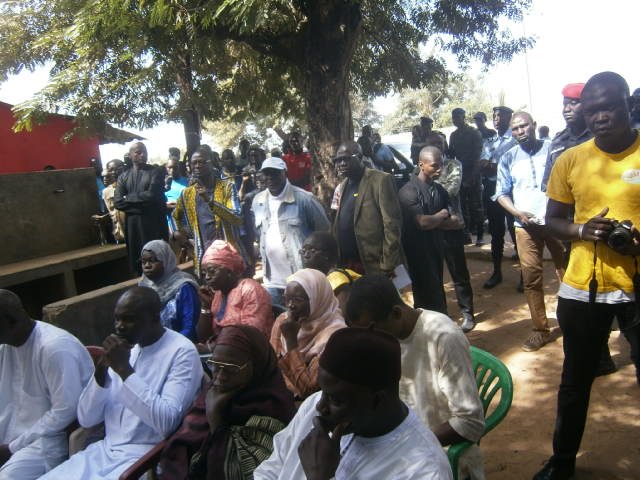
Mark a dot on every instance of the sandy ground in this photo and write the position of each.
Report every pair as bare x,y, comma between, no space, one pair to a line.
519,446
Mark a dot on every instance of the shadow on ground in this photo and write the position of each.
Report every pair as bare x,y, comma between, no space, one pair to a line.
518,447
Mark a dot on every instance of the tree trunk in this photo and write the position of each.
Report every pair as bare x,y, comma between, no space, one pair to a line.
188,110
192,128
330,41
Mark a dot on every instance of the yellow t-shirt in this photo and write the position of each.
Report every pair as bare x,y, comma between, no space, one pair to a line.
591,179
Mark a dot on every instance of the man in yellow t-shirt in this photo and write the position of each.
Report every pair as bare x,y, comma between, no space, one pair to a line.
601,179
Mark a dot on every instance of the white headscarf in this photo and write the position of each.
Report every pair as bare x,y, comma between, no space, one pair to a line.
325,316
172,279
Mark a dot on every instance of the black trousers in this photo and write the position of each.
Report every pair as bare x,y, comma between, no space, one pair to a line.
497,217
457,266
426,269
471,204
585,328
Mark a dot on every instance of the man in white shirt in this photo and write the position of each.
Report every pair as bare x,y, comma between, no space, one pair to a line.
437,378
357,427
285,215
519,192
43,370
141,389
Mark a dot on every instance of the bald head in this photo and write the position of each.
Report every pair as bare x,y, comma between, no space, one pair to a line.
429,153
142,300
138,153
10,303
522,114
430,163
605,104
609,80
348,160
349,148
137,316
523,129
15,323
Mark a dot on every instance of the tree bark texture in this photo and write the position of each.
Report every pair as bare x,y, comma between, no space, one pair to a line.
187,107
329,44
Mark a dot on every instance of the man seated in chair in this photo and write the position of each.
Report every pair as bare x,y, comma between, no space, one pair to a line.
142,387
437,377
43,370
356,428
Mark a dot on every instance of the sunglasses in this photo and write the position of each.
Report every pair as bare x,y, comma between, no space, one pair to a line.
230,367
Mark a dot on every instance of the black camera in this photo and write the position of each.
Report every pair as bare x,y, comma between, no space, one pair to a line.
620,236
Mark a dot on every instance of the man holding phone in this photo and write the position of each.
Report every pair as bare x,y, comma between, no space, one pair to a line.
519,192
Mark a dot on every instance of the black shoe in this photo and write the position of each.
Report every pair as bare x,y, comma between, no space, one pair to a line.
494,280
468,323
468,240
552,471
606,367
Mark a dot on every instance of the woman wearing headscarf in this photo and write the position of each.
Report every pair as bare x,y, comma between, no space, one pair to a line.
178,291
300,334
233,300
229,430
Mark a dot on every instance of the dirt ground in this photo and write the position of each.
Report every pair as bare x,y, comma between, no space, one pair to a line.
519,446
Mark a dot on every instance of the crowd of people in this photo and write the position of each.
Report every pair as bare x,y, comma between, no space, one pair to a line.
323,370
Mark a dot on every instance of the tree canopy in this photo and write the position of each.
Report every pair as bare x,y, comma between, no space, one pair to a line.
461,91
137,62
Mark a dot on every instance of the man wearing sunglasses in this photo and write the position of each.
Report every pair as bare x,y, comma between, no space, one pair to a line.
368,220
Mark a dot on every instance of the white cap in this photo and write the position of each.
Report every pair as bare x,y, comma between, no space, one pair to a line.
274,162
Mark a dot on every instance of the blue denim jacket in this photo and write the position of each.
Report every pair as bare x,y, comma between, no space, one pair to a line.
299,215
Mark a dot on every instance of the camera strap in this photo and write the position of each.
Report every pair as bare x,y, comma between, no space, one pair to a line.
593,283
636,281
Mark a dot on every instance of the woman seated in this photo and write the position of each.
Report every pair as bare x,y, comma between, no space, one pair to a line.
229,430
300,334
178,291
233,300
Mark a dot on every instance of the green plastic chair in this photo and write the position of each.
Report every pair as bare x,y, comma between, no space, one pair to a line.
492,376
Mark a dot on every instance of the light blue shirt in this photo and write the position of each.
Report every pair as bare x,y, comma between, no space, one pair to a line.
497,146
520,175
177,185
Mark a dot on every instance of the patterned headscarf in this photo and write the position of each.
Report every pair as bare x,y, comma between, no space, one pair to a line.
223,254
172,279
325,316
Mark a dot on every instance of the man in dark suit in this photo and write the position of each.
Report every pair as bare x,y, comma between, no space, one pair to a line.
140,195
369,220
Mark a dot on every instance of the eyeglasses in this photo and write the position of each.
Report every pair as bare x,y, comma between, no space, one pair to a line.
345,158
230,367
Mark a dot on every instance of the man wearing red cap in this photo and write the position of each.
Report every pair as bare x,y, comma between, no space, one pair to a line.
576,131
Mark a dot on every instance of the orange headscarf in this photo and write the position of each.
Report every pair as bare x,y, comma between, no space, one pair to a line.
223,254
